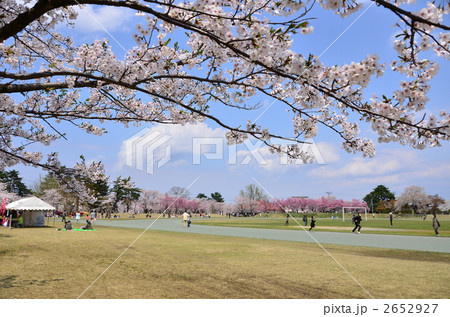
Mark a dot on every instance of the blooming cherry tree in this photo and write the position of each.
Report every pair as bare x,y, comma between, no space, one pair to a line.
415,197
323,204
10,197
230,53
54,197
245,205
148,200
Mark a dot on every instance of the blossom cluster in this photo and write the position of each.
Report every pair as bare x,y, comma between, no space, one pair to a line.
234,52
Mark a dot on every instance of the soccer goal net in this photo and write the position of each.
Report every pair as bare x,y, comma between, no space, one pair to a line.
353,209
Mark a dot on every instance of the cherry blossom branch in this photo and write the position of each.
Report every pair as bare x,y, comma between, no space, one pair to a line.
219,36
361,110
414,18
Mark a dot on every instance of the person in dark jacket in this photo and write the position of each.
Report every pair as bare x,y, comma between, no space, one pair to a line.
436,225
357,221
88,225
313,223
305,219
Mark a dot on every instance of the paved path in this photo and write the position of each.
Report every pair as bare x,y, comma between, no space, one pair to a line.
418,243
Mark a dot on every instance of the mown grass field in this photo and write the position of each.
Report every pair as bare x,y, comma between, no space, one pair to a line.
45,263
404,226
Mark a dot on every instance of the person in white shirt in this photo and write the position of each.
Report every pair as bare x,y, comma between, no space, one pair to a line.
185,219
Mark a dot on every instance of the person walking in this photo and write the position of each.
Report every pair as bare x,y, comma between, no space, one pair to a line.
436,225
357,220
313,223
305,219
77,216
287,220
185,219
390,217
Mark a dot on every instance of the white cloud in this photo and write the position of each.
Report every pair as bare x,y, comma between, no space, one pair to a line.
387,162
176,139
254,153
329,152
390,179
98,158
374,167
359,167
178,163
210,144
440,171
102,18
182,136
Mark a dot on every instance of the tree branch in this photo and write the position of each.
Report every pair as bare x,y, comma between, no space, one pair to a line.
413,17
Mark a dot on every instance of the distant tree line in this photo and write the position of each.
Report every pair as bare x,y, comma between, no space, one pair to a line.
122,195
413,200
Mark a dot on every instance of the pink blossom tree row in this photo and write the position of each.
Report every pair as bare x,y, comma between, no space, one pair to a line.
323,204
153,201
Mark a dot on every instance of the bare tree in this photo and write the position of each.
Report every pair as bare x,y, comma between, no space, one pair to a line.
436,202
253,192
179,192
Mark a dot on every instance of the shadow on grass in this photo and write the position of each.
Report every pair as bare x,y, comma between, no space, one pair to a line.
8,281
13,281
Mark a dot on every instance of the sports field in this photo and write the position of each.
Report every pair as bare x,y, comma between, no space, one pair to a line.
400,226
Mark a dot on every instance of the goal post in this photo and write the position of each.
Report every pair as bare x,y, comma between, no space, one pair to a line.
360,208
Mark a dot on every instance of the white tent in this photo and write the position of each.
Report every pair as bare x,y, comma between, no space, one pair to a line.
32,209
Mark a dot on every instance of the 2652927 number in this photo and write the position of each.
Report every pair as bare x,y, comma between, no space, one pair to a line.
410,308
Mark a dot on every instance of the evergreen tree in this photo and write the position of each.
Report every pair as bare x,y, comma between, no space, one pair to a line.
44,183
380,193
217,197
125,192
14,183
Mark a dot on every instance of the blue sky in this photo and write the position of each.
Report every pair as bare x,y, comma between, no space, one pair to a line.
345,175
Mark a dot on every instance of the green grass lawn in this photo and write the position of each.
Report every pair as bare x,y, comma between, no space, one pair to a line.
45,263
404,226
